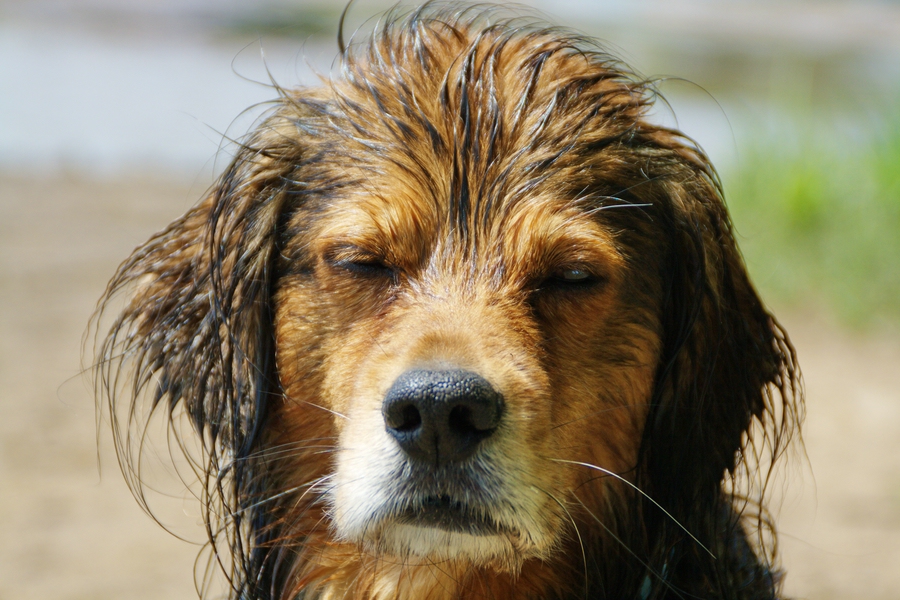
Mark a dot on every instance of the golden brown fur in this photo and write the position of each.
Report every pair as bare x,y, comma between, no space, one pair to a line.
487,196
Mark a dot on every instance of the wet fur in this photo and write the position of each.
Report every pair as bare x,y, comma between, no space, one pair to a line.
419,209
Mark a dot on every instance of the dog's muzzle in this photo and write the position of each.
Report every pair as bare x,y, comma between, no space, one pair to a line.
441,417
446,480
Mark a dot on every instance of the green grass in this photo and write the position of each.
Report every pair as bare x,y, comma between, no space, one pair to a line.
817,213
297,22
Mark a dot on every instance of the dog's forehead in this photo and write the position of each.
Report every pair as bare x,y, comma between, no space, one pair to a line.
488,137
406,226
403,211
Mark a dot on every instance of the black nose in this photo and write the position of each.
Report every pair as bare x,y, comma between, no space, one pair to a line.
440,417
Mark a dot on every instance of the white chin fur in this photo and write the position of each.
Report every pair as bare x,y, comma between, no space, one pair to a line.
433,544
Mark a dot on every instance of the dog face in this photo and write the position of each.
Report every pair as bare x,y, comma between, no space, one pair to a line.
460,323
402,302
436,268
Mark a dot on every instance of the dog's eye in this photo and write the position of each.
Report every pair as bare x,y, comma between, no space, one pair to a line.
360,263
573,276
368,267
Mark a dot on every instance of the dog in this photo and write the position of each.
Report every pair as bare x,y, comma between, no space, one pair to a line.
462,322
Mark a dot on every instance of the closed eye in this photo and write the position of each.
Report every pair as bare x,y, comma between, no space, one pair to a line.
367,268
573,275
360,263
574,278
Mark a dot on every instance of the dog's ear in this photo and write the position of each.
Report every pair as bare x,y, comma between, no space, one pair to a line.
722,350
196,327
727,386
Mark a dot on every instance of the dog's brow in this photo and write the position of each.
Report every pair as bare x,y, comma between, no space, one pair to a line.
564,234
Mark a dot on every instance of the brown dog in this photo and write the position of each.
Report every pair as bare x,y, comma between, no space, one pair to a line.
462,323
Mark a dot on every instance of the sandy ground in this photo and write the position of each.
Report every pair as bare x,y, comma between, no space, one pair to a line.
71,531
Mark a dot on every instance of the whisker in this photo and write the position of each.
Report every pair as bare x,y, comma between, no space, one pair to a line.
577,533
296,450
641,492
623,204
310,485
619,540
319,406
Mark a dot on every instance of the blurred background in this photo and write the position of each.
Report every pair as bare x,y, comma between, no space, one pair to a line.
114,116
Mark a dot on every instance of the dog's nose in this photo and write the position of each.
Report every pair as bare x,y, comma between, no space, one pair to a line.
441,417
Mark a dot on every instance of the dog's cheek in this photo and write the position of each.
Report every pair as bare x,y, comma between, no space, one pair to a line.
601,355
325,321
301,420
366,458
301,335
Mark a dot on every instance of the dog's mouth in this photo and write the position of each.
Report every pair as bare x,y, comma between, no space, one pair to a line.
448,514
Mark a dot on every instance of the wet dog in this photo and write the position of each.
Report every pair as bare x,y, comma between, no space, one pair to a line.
463,323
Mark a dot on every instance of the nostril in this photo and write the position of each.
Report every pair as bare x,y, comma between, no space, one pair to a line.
473,419
461,420
403,417
410,418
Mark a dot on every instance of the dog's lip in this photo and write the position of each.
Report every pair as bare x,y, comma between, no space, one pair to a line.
443,512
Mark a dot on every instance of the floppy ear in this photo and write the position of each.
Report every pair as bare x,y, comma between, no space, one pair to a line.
727,374
196,330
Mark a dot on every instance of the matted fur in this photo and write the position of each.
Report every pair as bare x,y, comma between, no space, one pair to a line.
485,194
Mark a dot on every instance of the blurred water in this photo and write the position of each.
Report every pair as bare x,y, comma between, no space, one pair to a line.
79,101
90,92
